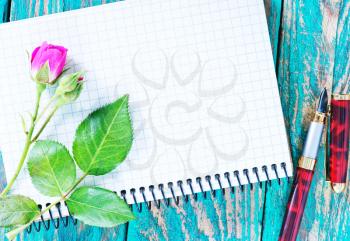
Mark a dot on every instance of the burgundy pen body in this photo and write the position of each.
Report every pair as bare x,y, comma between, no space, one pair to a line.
301,185
296,204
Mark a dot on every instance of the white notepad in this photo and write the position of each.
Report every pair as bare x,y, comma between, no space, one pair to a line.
203,93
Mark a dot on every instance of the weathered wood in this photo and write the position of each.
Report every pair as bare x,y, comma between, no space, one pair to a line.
341,73
273,9
306,62
26,9
4,10
310,47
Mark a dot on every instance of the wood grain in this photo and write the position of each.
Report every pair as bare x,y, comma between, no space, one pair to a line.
4,10
341,73
309,37
310,42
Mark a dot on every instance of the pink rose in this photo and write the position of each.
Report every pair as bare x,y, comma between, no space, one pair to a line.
48,62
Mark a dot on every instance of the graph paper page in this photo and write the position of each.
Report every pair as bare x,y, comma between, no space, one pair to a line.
203,94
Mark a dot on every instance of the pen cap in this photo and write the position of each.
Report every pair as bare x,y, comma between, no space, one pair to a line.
339,138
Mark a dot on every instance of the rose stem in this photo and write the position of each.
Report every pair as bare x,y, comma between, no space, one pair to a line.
28,142
64,197
45,123
53,98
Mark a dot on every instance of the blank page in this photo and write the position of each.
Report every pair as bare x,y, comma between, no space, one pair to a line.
204,99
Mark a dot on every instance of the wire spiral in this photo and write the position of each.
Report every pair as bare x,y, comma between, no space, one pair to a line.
228,176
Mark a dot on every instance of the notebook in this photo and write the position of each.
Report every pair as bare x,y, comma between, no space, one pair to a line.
204,98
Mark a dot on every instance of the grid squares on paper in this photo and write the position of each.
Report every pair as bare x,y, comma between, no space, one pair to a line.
179,120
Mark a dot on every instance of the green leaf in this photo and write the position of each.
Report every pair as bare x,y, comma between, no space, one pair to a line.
104,138
52,168
98,207
17,210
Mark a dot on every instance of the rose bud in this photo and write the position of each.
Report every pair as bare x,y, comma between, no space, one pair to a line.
47,63
69,87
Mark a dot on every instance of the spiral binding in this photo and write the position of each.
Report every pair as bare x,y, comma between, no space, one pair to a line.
56,222
37,226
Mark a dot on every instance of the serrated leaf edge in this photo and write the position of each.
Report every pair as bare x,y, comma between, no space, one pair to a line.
36,211
126,97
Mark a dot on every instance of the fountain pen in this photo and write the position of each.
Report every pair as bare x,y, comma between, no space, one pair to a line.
304,173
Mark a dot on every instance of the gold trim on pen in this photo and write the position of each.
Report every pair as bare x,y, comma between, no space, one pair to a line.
320,117
307,163
341,97
338,187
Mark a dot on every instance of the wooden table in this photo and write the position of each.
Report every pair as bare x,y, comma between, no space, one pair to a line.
311,46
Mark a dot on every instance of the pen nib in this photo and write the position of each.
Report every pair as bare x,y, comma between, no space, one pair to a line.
323,101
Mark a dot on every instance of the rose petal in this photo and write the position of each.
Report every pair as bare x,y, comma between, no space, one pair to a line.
37,61
57,63
34,53
62,49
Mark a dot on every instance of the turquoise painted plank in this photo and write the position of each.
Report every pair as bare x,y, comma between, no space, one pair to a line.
274,195
309,44
316,58
341,74
234,216
332,211
25,9
70,5
273,9
4,10
275,199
